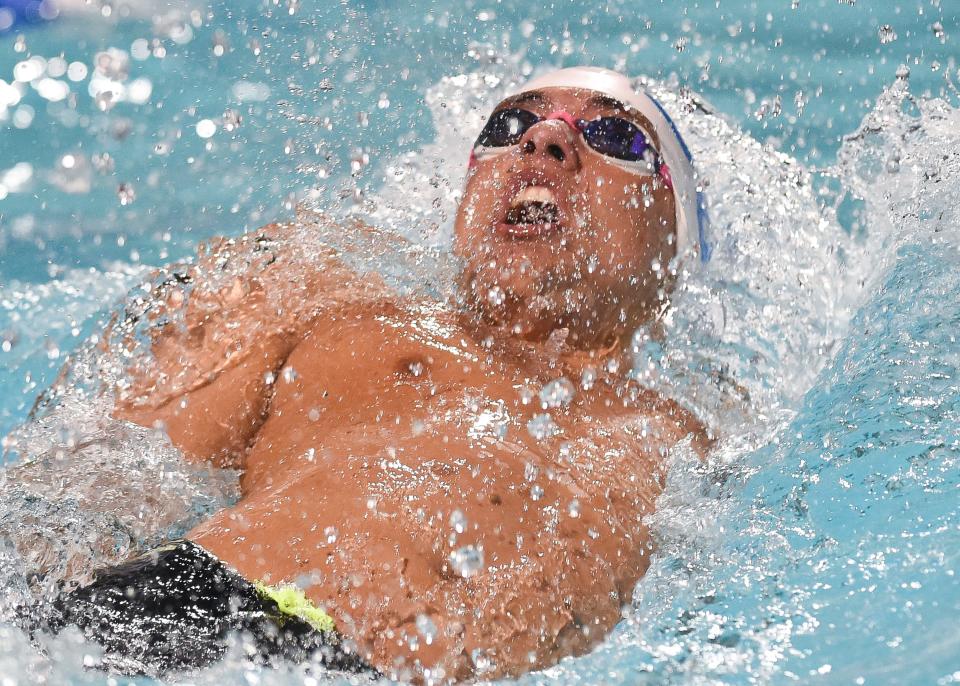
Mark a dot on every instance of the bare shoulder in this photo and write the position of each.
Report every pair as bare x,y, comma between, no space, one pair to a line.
210,316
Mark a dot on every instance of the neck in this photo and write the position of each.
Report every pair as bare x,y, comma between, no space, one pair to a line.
555,352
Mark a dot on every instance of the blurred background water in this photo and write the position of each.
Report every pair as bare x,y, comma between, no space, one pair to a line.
824,546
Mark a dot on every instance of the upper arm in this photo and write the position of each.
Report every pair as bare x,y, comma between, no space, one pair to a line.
218,417
216,329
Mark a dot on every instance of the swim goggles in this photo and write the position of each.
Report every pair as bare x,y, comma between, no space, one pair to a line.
618,139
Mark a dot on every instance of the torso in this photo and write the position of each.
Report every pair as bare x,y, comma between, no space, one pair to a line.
397,446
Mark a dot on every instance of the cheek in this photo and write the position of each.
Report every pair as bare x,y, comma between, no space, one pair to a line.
628,234
479,193
616,222
470,206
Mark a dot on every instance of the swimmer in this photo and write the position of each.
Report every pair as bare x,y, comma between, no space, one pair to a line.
456,490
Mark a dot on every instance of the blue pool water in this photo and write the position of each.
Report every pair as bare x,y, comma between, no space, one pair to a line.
822,542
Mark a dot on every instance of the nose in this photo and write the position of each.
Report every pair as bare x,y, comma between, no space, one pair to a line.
552,140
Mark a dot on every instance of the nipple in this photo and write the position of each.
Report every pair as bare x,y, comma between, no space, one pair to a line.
413,366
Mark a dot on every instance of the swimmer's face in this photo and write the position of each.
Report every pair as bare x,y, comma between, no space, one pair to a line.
555,235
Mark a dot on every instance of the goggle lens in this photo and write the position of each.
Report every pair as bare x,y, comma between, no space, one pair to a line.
616,137
506,127
610,136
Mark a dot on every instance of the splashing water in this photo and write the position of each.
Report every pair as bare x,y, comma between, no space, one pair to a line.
815,544
91,492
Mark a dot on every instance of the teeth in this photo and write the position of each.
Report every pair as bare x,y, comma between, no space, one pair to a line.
533,194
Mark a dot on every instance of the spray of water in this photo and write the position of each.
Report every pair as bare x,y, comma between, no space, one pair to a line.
744,339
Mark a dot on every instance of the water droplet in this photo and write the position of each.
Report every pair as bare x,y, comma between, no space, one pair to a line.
220,43
496,296
103,163
526,395
938,31
126,193
314,414
269,378
289,374
332,534
903,72
104,100
800,102
542,427
358,160
557,393
112,63
231,120
427,628
480,660
648,198
206,128
536,492
530,471
458,521
588,378
574,508
77,71
467,561
886,34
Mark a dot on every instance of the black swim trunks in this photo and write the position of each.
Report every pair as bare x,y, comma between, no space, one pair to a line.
174,608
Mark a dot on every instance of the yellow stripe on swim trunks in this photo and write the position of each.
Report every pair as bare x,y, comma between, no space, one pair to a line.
291,601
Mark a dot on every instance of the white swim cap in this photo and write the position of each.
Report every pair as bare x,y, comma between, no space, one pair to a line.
692,219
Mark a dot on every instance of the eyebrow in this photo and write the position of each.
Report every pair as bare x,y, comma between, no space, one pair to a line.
523,98
606,102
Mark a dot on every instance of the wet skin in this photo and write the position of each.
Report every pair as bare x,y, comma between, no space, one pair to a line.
385,442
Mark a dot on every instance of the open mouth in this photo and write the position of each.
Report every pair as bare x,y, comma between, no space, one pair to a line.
533,212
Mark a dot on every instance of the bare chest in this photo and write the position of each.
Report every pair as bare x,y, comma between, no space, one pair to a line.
415,384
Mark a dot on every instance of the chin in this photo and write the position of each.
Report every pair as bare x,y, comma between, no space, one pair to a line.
532,307
501,296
